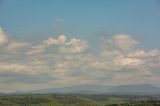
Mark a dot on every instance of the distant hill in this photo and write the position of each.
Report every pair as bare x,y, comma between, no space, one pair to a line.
98,89
80,89
135,89
1,93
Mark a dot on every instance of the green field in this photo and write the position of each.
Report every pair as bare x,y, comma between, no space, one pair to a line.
78,100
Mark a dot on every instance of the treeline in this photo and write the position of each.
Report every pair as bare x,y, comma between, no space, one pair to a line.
139,103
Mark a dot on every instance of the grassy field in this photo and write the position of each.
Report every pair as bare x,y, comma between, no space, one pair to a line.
78,100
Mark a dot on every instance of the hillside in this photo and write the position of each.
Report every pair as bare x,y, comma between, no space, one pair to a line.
79,100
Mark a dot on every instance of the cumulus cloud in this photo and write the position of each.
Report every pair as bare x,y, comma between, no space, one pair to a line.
62,59
9,45
3,37
74,46
65,46
124,41
61,40
17,45
123,56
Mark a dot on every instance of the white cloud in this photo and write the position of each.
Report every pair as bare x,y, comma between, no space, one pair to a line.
124,41
3,37
61,40
137,53
36,49
51,41
29,66
15,67
154,53
63,45
74,46
68,60
17,45
128,61
142,53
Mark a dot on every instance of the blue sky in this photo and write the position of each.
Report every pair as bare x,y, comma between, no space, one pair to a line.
78,28
82,18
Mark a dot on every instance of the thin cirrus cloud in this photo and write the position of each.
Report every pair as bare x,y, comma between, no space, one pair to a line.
61,60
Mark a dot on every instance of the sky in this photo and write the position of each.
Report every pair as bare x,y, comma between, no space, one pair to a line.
59,43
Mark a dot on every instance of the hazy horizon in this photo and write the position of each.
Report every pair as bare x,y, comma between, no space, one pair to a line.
58,43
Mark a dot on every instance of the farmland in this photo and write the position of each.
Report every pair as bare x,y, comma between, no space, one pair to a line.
78,100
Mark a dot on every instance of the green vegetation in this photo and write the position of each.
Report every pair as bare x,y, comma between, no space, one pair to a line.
78,100
46,100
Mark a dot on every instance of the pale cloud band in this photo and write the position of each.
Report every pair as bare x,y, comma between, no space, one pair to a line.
66,61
